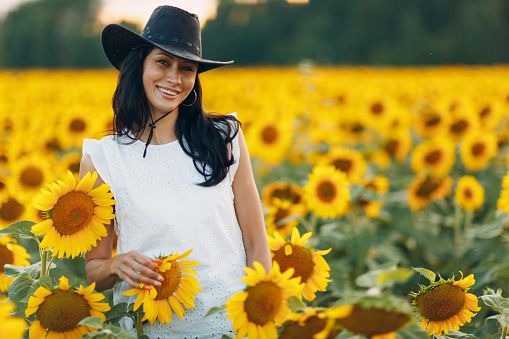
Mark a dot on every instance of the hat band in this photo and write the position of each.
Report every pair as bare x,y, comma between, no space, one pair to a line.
173,41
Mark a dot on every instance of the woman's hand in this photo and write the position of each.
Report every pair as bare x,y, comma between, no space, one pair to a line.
135,268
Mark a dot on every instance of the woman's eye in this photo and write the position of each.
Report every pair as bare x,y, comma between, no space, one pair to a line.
163,62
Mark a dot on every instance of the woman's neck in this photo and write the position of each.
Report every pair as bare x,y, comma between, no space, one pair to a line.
164,131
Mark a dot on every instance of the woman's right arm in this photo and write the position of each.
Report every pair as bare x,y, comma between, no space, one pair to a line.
102,268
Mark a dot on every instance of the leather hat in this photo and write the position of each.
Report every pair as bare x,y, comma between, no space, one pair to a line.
169,28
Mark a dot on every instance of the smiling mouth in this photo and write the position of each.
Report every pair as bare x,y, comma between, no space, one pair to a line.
166,91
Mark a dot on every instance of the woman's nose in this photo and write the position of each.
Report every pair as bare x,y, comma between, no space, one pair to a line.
173,75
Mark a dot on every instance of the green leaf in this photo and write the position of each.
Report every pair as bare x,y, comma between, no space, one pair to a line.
220,309
94,322
370,279
14,271
124,334
295,304
397,276
22,229
431,276
502,319
457,335
18,290
116,313
493,301
143,337
44,281
228,336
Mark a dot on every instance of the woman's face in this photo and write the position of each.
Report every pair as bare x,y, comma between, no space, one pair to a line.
167,81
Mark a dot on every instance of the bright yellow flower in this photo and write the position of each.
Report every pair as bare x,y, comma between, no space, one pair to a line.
469,193
59,311
327,193
378,184
308,264
503,201
445,305
281,210
179,286
283,191
477,149
10,327
76,215
270,140
11,210
374,322
429,122
425,189
435,156
262,305
13,254
348,161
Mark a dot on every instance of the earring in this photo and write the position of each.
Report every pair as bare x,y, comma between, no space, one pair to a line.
195,97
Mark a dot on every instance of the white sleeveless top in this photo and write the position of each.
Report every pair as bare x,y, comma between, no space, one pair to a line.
160,211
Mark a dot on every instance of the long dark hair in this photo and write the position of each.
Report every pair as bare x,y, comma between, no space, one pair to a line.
206,138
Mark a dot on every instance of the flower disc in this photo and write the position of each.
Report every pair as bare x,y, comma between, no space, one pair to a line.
263,302
373,321
6,257
72,212
31,176
171,282
63,310
441,303
300,259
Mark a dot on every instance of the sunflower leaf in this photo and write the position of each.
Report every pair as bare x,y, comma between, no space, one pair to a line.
22,229
18,290
44,281
217,309
124,334
228,336
116,313
14,271
431,276
457,335
94,322
501,318
295,304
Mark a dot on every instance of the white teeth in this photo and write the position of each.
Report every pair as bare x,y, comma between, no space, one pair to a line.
167,91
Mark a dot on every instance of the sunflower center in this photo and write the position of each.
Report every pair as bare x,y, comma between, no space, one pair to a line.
391,147
478,149
485,112
74,167
373,321
269,134
312,326
263,302
287,194
356,128
2,185
77,125
61,311
11,210
300,259
6,257
468,193
326,191
377,108
441,303
72,212
433,157
171,282
280,215
427,187
31,176
459,126
342,164
432,121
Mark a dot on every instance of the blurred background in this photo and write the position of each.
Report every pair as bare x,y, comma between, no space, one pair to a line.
65,33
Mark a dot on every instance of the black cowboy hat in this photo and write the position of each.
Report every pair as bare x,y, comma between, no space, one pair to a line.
171,29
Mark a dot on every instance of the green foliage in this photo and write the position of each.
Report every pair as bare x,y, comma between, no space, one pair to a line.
107,331
22,229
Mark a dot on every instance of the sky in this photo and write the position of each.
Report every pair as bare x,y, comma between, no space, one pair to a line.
113,11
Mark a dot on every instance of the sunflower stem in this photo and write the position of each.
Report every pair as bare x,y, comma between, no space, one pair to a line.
49,265
504,332
44,259
457,232
139,325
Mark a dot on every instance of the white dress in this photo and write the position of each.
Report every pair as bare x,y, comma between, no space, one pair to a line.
160,211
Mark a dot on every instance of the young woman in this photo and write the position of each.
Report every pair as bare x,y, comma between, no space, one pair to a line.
181,178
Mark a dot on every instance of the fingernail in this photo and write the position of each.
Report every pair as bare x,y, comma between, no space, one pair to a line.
157,283
157,270
148,287
160,278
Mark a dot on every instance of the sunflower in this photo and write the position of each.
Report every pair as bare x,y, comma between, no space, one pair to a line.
461,125
314,323
469,193
378,184
371,208
283,191
11,210
262,305
10,327
74,126
75,213
477,149
270,140
307,264
59,311
445,304
397,144
13,254
280,210
178,286
503,201
327,193
71,162
435,156
429,122
425,189
353,129
347,160
28,176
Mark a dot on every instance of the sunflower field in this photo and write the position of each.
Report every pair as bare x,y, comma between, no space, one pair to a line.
385,193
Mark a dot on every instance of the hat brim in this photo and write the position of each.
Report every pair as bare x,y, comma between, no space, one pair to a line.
117,41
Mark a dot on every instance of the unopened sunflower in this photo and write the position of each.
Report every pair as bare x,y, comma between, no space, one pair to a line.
58,311
10,327
327,193
315,323
13,254
76,214
307,264
281,210
178,286
469,193
445,305
262,305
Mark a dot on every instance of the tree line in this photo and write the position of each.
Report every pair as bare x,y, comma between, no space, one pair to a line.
63,33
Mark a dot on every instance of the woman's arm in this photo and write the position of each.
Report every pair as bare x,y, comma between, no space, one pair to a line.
102,268
249,210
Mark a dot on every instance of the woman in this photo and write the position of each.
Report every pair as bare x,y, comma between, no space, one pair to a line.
193,188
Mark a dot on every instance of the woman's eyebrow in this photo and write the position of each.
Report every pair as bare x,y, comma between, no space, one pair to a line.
173,57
